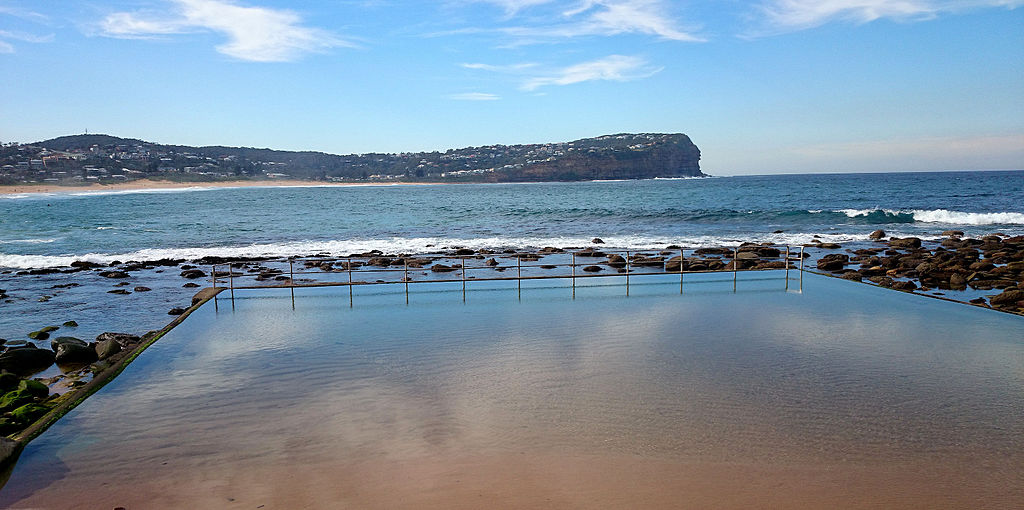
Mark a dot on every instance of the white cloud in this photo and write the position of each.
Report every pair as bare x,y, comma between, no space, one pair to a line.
511,68
6,47
593,18
784,15
611,68
257,34
474,96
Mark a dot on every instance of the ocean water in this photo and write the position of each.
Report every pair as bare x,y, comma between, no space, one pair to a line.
54,229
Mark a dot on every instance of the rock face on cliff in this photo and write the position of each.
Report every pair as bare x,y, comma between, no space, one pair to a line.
623,156
620,156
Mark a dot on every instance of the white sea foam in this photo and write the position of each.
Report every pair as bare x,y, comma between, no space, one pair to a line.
944,216
413,245
966,218
27,241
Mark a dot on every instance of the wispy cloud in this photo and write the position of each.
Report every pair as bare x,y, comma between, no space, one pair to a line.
7,35
257,34
474,96
510,68
611,68
564,20
789,15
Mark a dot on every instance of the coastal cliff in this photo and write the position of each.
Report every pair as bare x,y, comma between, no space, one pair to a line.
85,159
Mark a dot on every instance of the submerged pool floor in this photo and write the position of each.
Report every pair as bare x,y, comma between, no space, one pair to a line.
841,395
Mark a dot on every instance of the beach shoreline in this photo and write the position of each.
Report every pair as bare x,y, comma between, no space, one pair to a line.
149,184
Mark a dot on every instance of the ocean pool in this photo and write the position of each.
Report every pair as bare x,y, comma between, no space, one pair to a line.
839,394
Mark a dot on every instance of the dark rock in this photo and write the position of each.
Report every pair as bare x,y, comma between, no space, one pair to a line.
548,266
1009,297
107,348
904,285
851,275
441,268
953,233
8,381
193,273
383,261
592,269
616,261
882,281
464,251
551,249
15,399
190,285
33,387
49,329
124,339
878,234
39,335
829,246
82,264
56,342
491,262
978,301
70,324
29,413
75,353
176,311
142,289
118,291
833,262
597,240
747,255
905,243
114,274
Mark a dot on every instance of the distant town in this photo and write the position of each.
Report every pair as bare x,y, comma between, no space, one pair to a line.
83,159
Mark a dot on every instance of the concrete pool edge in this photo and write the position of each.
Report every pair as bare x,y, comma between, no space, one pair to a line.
11,448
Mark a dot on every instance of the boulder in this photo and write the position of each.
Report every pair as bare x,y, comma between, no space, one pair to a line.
905,243
953,233
747,255
592,269
142,289
1008,297
597,240
122,292
39,335
176,311
833,262
36,388
464,251
616,261
75,353
107,348
70,324
56,342
192,274
125,340
876,235
491,262
441,268
8,381
676,264
851,275
114,274
904,285
29,413
14,399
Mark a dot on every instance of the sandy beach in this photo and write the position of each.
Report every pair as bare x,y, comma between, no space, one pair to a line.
146,184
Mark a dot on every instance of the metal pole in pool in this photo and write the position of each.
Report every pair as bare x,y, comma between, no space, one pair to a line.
231,282
627,273
350,282
801,269
735,266
214,274
291,280
681,259
464,279
519,278
787,267
574,275
406,280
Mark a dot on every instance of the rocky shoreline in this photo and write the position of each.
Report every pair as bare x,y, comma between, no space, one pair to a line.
30,387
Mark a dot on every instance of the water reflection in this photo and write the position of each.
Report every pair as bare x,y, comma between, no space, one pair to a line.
841,373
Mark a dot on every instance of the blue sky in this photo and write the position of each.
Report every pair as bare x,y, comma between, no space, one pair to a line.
761,86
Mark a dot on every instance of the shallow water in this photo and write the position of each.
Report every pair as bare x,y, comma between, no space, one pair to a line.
845,392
